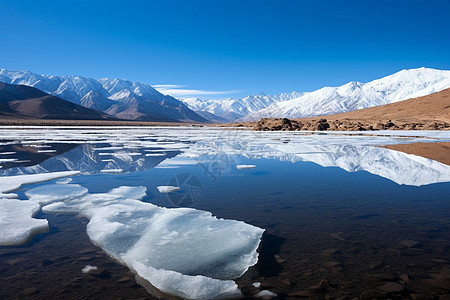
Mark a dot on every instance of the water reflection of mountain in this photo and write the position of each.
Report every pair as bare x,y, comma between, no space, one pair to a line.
397,166
24,155
100,158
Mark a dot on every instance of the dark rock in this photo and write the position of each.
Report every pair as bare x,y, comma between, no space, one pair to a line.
29,291
372,294
322,125
420,297
324,286
303,294
391,287
389,124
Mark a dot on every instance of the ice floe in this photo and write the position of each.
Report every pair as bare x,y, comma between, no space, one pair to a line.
16,216
167,188
89,268
112,171
17,223
55,192
181,251
5,160
12,183
64,181
240,167
155,154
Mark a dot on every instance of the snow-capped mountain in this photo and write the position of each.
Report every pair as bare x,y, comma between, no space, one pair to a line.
356,95
231,109
120,98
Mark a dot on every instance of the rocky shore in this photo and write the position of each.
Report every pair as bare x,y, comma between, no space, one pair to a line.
321,124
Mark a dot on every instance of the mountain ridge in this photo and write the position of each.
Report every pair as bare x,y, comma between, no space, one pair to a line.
355,95
235,108
21,101
121,98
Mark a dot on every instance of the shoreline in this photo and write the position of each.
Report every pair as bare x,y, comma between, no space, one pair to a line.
345,124
438,151
55,122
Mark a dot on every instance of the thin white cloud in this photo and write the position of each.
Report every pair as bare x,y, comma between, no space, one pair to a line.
168,86
181,91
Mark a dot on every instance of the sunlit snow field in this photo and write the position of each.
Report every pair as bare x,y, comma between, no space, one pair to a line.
205,213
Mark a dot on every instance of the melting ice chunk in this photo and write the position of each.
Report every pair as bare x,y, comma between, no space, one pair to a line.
88,268
64,181
17,223
155,154
55,192
12,183
240,167
111,171
181,251
167,188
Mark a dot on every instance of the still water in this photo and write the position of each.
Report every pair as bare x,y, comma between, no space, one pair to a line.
341,217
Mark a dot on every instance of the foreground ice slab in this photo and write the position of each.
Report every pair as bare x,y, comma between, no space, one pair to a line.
181,251
55,192
17,223
12,183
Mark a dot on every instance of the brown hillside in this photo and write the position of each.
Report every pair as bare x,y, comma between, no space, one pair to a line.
434,107
430,112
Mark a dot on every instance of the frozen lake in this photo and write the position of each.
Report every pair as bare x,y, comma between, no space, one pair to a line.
206,213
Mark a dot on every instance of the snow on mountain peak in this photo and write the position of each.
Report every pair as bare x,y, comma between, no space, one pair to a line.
118,97
231,109
402,85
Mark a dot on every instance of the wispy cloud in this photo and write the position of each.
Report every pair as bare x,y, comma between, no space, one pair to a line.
183,91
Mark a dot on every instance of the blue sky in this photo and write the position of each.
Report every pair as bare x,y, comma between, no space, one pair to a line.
220,49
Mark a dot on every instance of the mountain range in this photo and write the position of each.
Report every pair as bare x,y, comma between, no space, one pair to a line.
354,95
120,98
128,100
20,101
219,111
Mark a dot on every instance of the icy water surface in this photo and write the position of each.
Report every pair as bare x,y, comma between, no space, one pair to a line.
185,209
